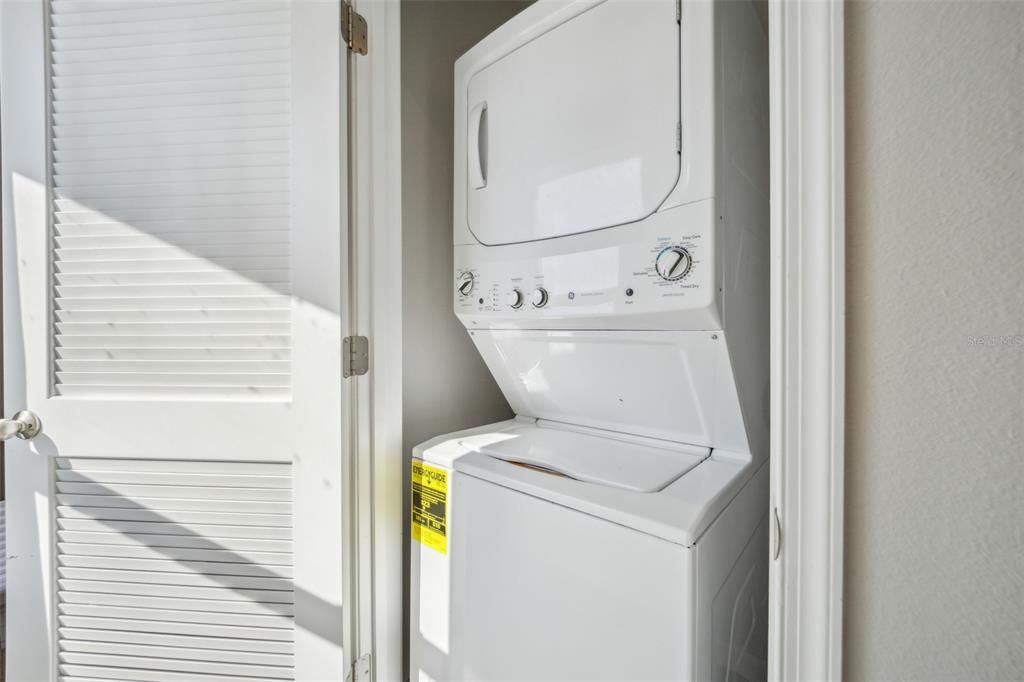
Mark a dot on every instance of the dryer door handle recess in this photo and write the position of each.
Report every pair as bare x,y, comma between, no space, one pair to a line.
477,146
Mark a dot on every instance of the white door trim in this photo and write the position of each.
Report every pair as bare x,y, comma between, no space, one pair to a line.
377,248
807,355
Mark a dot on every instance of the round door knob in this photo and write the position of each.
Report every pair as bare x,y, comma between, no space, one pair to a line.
514,299
465,283
24,425
540,297
673,263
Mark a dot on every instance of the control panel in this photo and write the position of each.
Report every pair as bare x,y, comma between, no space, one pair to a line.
665,265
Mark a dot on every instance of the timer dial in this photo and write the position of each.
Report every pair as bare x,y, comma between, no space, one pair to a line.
673,263
514,299
465,283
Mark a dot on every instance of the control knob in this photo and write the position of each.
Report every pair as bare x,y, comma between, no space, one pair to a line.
514,299
672,263
540,297
465,283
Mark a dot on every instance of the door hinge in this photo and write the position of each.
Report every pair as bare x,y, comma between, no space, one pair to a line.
360,669
353,29
776,535
355,352
679,11
679,138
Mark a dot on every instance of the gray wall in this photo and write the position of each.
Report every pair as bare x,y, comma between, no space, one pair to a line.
445,384
935,457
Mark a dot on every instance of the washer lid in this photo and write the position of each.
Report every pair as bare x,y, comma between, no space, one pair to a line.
624,464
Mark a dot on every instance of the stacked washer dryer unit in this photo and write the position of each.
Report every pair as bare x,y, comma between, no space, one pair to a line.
611,267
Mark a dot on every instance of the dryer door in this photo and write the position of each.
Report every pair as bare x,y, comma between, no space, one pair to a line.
575,130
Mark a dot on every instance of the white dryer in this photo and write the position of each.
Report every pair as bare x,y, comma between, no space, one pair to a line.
611,266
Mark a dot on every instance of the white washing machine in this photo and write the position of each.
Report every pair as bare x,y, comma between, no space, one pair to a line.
611,266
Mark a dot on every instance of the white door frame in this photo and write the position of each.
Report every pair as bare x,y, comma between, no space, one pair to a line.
807,338
808,307
375,144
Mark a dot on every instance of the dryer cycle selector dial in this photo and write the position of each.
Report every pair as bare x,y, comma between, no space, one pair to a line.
465,283
514,299
672,263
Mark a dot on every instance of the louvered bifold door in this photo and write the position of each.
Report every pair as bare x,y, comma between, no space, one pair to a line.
173,299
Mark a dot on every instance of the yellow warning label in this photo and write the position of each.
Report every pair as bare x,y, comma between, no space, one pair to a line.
430,506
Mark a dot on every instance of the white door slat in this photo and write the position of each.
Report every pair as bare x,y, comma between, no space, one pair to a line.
265,354
247,657
156,266
67,130
156,152
120,471
196,643
179,466
193,214
171,315
127,193
198,366
256,301
170,504
71,671
208,568
185,327
255,137
137,98
176,554
229,228
161,162
272,599
175,393
152,29
171,295
86,12
175,628
91,473
170,77
113,181
149,64
173,380
170,603
177,664
201,244
167,250
199,113
184,579
165,615
190,47
175,342
64,40
179,492
201,32
238,545
264,280
173,516
204,530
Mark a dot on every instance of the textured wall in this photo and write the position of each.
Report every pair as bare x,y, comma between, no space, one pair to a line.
935,455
